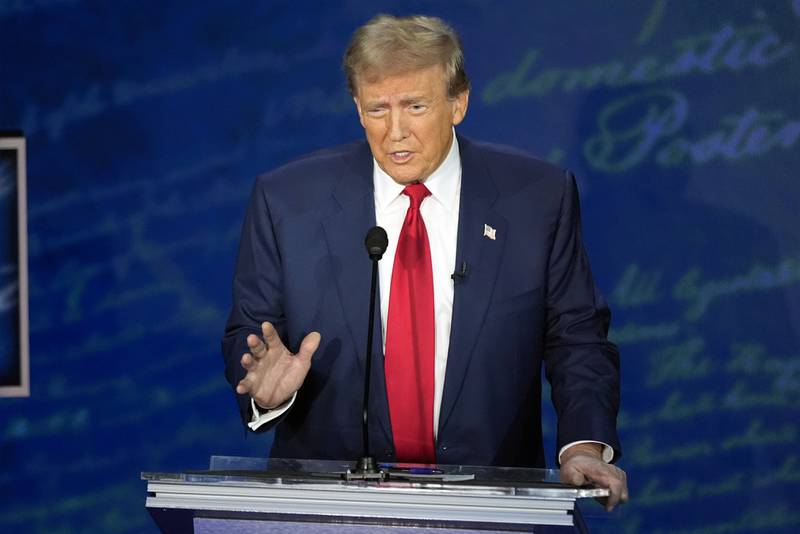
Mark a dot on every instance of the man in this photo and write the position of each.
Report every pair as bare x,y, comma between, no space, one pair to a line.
485,278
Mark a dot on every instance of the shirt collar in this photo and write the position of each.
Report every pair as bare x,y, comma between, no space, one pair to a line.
444,183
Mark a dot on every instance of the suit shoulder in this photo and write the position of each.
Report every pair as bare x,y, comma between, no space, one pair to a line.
516,171
509,157
313,169
306,185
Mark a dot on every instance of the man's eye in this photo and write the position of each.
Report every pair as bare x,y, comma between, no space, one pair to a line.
418,107
376,112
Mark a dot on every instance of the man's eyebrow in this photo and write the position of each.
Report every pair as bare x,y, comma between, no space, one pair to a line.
408,100
404,101
378,102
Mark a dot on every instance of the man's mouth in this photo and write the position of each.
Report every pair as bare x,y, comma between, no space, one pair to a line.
401,156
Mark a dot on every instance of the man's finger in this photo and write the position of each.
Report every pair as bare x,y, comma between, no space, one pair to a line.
572,476
248,361
271,337
613,498
612,478
309,346
619,491
243,386
599,471
257,347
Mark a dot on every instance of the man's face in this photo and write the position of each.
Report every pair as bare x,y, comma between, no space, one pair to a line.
409,120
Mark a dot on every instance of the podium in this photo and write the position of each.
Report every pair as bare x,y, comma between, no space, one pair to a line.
257,495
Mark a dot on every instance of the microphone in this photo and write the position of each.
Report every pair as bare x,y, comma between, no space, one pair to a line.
460,275
376,242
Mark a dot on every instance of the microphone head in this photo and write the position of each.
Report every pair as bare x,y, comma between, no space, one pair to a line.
376,242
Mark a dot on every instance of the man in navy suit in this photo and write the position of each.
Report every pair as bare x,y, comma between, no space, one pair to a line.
509,284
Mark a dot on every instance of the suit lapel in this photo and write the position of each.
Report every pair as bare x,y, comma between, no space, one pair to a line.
482,256
345,230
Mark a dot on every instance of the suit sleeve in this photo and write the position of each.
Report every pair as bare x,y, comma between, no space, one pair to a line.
257,293
581,365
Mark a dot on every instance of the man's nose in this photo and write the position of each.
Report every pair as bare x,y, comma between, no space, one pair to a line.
398,129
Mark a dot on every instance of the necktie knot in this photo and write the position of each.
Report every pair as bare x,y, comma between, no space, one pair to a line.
416,192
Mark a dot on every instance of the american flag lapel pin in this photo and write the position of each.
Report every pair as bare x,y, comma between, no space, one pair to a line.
489,232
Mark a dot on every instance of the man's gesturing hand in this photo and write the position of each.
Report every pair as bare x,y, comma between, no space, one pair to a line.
274,373
583,463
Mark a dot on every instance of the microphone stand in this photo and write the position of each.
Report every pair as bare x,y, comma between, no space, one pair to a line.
366,467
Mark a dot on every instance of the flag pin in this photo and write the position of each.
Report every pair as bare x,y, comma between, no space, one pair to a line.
489,232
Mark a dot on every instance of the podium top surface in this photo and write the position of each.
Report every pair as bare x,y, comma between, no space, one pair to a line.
475,480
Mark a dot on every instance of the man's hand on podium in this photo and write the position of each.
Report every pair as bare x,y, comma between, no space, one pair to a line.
583,464
274,373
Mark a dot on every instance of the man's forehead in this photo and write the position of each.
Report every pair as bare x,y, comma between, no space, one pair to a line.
416,83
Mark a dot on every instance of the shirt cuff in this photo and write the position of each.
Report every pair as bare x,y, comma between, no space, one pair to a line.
261,418
608,451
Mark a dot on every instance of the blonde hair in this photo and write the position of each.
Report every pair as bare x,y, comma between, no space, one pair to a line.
389,45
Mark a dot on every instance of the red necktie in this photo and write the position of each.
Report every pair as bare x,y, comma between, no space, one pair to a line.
410,342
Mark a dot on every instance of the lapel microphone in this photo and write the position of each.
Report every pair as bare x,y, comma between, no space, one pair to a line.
460,275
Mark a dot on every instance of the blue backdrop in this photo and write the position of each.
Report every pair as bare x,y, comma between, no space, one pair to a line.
147,122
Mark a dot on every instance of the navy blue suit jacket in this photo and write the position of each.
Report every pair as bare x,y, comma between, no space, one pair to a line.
528,298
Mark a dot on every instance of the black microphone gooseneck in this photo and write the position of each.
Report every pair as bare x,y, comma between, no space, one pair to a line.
376,243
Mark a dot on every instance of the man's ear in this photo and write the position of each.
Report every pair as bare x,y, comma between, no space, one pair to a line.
358,110
460,104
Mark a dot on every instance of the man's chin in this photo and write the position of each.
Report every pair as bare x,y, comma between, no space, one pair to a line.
403,175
